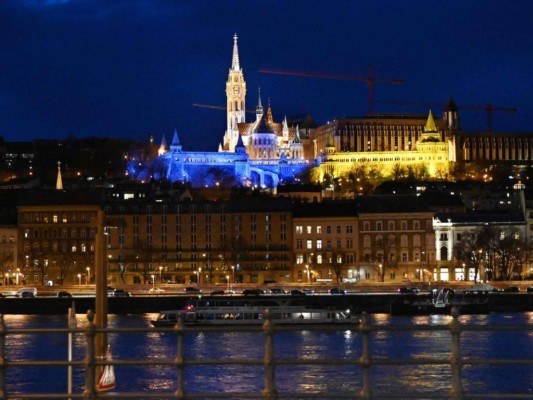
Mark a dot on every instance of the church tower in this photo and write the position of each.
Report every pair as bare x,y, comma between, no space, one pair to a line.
235,97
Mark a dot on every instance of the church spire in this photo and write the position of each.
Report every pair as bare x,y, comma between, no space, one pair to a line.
59,182
259,108
430,124
270,117
235,59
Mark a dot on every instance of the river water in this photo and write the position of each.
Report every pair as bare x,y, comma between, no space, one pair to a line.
342,344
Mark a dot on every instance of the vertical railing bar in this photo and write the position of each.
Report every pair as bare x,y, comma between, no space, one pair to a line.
456,391
2,357
364,328
270,391
180,358
90,360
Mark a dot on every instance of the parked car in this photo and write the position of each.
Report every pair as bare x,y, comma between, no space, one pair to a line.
309,292
252,292
277,291
511,289
296,292
156,290
336,290
406,290
192,289
64,294
119,293
529,289
217,292
26,292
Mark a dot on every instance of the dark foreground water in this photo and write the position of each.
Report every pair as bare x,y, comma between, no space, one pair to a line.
342,344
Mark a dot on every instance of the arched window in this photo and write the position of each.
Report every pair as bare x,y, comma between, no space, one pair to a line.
444,253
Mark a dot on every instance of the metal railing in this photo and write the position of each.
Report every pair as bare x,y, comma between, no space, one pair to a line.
365,363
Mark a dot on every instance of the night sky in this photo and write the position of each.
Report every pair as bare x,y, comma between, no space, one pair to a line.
127,68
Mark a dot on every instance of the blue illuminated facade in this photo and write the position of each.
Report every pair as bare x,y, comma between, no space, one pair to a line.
260,154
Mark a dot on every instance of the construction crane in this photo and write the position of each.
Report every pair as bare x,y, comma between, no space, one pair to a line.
488,108
370,80
217,107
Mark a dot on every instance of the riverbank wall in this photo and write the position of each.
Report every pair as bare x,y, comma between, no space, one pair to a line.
357,303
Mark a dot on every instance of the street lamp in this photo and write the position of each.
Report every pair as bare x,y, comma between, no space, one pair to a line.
199,275
153,282
381,273
79,279
160,274
227,280
18,273
233,273
88,275
308,276
7,278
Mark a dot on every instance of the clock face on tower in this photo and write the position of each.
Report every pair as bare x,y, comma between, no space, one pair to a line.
236,90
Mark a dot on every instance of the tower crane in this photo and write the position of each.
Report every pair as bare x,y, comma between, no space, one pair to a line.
488,108
370,80
217,107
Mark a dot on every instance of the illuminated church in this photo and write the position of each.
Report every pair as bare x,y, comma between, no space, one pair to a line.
264,153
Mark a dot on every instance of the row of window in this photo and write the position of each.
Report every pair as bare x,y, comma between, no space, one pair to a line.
377,225
58,217
56,246
378,257
62,233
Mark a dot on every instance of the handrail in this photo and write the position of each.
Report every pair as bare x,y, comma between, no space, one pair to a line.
366,362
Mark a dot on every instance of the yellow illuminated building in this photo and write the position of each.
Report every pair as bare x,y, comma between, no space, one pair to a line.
395,149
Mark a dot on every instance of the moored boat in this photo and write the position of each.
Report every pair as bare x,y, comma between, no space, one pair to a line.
252,312
442,302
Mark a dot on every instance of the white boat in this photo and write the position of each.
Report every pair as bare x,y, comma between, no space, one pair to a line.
252,312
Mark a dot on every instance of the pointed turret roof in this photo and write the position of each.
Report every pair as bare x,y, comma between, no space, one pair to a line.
235,59
264,126
259,108
59,182
175,139
451,106
240,148
270,117
430,124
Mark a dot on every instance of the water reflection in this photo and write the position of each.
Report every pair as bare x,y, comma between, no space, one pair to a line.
309,346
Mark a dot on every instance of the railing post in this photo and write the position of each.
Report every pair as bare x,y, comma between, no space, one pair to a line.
180,358
364,360
90,364
2,357
270,392
456,391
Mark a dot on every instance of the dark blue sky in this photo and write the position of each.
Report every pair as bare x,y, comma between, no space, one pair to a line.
127,68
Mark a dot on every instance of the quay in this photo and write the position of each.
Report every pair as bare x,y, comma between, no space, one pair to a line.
356,302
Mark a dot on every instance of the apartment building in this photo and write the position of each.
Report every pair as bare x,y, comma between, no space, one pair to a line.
246,240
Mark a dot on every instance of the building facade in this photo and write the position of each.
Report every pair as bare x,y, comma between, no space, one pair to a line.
396,239
245,241
57,242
